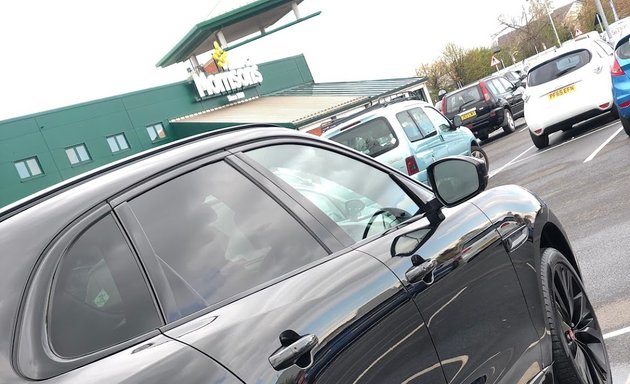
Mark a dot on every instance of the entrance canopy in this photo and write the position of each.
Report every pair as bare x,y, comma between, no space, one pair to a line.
301,105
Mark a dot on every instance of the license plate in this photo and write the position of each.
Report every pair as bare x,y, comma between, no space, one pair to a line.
468,115
561,92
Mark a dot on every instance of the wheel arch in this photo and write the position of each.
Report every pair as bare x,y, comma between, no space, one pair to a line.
554,237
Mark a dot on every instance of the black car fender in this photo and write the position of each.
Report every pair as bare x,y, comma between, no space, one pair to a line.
527,226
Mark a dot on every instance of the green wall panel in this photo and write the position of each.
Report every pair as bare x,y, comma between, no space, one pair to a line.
17,127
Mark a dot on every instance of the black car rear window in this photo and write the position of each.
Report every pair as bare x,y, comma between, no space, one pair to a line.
373,137
558,67
460,99
623,50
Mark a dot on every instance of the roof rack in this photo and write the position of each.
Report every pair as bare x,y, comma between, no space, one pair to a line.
26,202
372,105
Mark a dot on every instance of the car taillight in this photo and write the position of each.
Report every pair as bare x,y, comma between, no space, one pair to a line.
616,69
484,91
412,166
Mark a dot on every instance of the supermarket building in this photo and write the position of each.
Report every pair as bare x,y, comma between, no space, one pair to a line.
42,149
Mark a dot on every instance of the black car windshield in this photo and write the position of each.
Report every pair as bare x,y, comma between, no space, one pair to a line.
373,138
558,67
461,98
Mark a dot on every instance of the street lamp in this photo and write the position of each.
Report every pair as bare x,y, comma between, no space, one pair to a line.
553,25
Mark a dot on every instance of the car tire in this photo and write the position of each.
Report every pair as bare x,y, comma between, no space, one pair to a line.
478,153
578,348
540,141
625,123
508,122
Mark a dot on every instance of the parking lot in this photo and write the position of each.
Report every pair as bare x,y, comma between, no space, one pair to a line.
584,176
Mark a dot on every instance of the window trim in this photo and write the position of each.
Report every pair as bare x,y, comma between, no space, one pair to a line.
32,342
157,137
115,137
415,123
28,168
76,153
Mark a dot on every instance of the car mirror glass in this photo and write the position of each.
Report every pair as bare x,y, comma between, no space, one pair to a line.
457,121
457,179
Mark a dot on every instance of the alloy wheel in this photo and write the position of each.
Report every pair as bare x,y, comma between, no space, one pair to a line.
580,332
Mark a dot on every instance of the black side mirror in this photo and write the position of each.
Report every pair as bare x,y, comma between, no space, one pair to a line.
457,121
457,179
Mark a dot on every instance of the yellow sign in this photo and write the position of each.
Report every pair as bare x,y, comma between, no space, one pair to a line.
561,92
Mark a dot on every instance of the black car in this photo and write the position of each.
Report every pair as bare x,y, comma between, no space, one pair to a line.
486,105
262,255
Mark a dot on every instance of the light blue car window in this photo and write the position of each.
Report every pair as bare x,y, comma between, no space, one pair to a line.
409,126
438,119
423,121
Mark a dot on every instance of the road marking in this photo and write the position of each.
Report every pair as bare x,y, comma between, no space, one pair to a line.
616,333
522,129
592,156
555,146
511,161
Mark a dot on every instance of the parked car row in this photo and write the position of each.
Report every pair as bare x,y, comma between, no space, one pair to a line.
407,135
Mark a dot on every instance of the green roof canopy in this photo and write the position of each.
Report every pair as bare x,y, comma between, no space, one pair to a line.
235,24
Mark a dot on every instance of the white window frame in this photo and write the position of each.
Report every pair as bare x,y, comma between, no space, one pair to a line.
28,168
156,132
78,154
118,140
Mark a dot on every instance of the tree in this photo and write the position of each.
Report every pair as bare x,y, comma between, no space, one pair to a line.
477,64
453,57
436,74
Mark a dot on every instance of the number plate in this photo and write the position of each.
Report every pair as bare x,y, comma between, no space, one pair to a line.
468,115
561,92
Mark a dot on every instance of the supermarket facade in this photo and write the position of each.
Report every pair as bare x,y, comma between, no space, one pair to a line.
42,149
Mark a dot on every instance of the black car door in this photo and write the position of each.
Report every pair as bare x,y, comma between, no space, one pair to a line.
467,290
247,276
514,96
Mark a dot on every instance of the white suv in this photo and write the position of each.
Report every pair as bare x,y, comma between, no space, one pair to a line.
407,135
570,85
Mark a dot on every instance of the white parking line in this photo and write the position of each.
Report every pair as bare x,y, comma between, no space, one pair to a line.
592,156
517,160
522,129
511,161
616,333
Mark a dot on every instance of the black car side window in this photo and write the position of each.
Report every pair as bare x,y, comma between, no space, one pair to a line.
366,200
216,234
100,297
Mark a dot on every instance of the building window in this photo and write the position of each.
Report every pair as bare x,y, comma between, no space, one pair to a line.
78,154
117,143
156,132
28,168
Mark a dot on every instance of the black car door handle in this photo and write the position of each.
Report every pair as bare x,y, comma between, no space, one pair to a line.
288,355
418,272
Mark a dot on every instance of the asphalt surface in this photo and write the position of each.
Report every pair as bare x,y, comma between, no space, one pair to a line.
584,176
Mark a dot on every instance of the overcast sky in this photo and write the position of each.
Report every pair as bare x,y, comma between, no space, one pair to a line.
62,52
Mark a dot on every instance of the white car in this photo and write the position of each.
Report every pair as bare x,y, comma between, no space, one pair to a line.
567,86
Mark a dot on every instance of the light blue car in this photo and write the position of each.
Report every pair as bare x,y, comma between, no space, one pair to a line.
620,73
407,135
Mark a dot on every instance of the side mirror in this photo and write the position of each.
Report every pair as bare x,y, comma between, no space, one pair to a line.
457,179
457,121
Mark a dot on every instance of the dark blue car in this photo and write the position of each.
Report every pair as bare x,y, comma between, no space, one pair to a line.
621,81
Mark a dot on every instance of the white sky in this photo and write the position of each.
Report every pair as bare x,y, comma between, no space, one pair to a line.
62,52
